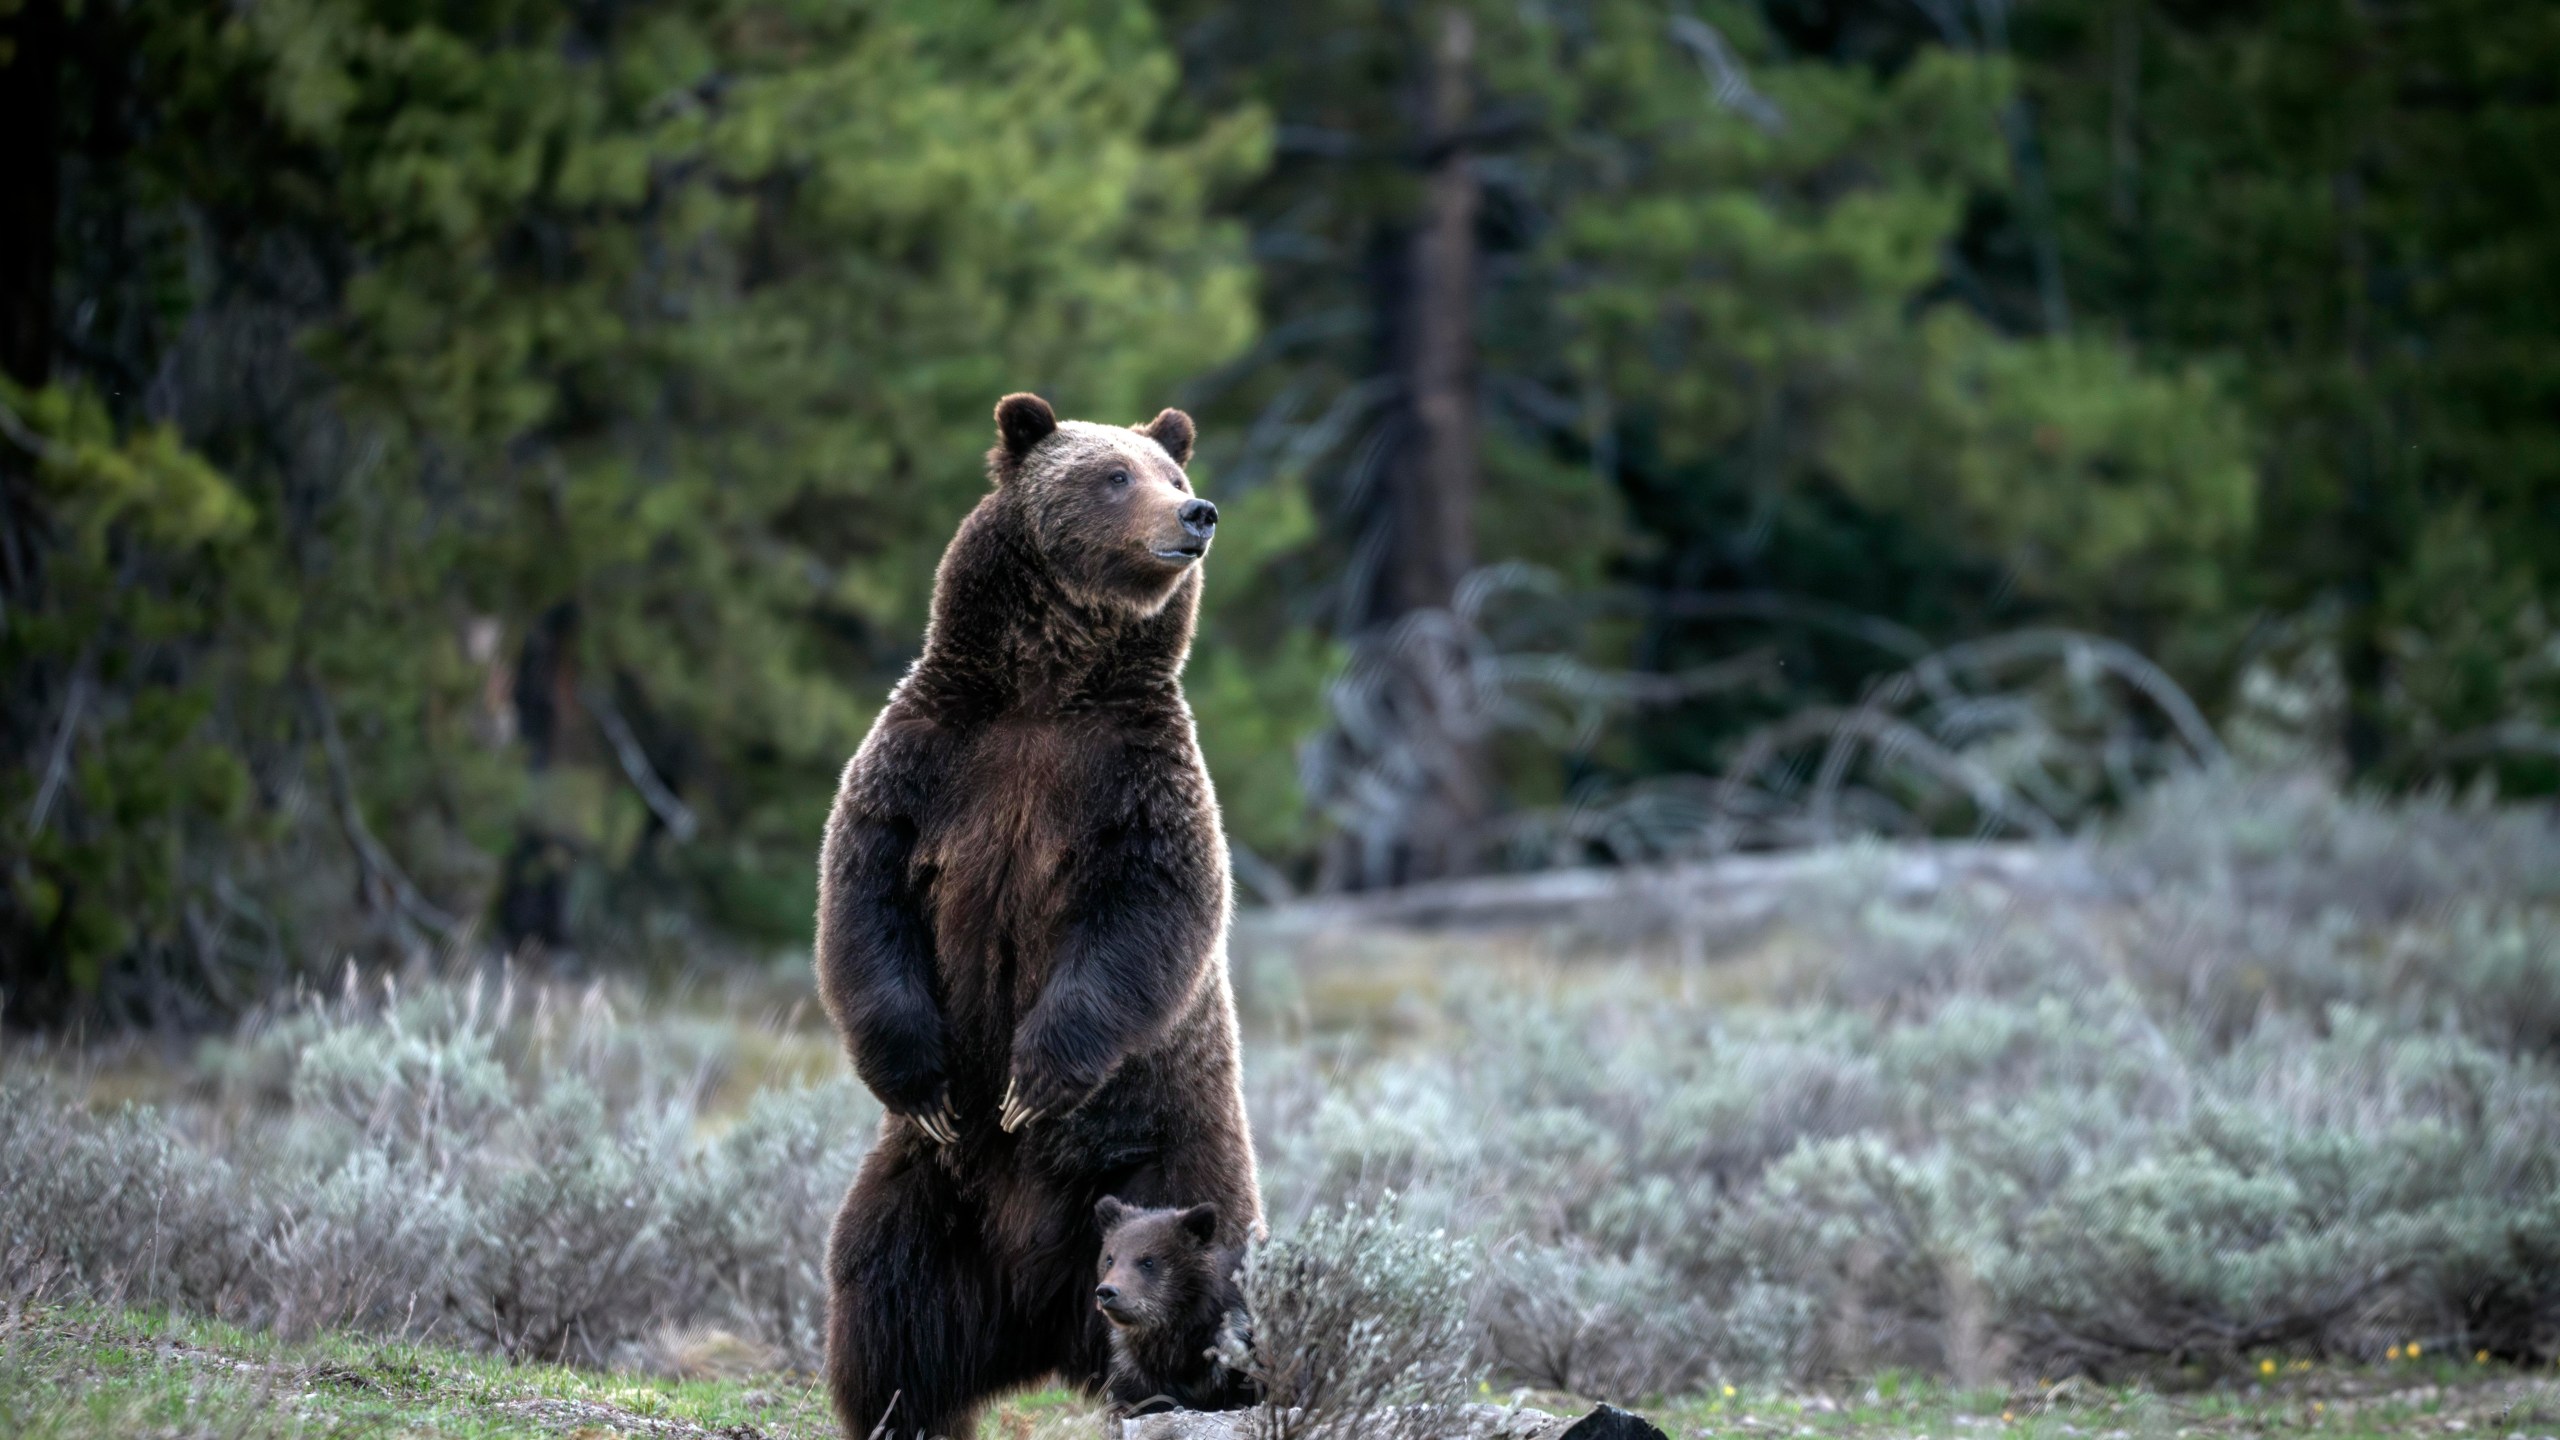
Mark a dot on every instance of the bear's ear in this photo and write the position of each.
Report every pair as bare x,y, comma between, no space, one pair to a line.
1173,430
1022,421
1202,1222
1107,1212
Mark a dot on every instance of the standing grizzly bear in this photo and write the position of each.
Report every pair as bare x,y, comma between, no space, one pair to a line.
1022,912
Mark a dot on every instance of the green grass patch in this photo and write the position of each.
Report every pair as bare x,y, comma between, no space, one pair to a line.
2342,1401
71,1373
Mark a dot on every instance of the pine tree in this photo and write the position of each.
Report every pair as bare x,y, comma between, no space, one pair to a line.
579,397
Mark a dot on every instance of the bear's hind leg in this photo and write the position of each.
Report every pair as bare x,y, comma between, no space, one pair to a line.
917,1336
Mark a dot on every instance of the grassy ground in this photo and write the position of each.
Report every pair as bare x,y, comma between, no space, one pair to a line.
76,1373
2419,1398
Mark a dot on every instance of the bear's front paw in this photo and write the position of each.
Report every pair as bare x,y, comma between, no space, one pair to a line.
923,1101
1040,1092
939,1122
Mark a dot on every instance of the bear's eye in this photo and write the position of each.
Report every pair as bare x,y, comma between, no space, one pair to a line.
1147,1263
1119,477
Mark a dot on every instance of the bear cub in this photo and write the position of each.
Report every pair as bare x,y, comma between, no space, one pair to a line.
1170,1293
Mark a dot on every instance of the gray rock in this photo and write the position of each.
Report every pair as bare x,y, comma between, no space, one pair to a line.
1462,1422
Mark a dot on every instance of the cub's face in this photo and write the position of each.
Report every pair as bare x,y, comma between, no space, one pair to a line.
1109,506
1154,1262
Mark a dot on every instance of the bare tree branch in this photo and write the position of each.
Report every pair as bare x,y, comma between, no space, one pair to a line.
1731,83
2026,732
381,871
663,802
58,763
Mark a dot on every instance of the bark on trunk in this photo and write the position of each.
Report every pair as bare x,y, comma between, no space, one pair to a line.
1434,519
1436,511
40,712
533,894
30,185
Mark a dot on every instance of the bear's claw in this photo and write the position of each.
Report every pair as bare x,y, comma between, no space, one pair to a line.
1015,1113
939,1124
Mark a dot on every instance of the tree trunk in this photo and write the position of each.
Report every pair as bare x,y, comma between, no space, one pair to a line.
533,893
30,194
1433,522
39,712
31,36
1435,514
2364,737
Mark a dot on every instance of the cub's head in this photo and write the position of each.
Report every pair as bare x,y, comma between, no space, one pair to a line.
1109,506
1156,1264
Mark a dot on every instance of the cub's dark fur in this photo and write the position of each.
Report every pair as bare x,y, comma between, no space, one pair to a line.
1022,912
1169,1290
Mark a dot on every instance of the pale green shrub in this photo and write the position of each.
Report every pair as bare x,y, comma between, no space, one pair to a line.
751,1212
1360,1325
2184,1117
564,1256
1567,1318
117,1207
2281,1072
367,1246
458,1159
2297,843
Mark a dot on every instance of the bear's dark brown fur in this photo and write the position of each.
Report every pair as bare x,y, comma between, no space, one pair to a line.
1169,1290
1022,911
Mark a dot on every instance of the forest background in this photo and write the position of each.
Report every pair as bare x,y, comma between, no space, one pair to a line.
470,470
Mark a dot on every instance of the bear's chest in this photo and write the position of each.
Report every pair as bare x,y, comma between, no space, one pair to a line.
999,851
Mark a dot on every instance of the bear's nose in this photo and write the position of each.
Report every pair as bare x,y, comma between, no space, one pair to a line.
1199,517
1106,1293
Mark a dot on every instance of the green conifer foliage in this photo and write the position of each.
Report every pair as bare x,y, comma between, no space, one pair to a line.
562,408
1764,290
2349,207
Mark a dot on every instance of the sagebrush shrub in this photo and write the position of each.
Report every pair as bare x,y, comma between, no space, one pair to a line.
2274,1079
1360,1325
750,1214
1566,1318
368,1244
564,1256
118,1207
446,1161
2223,1100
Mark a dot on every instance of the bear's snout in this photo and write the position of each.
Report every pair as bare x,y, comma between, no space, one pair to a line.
1195,521
1115,1307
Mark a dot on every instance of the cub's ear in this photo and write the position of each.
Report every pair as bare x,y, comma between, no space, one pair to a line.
1201,1220
1107,1212
1174,431
1022,421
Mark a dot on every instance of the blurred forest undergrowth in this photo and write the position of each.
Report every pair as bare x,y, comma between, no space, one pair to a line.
472,468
